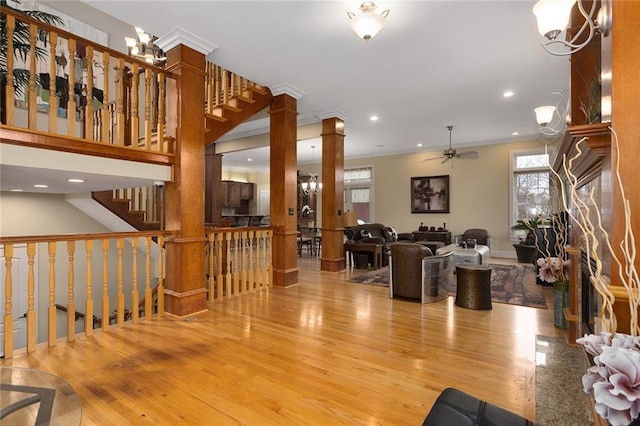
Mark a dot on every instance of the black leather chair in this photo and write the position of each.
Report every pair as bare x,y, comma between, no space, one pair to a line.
454,407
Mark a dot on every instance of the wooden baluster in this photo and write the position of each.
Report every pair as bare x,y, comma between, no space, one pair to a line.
52,294
250,265
225,86
147,284
88,319
88,109
243,262
147,203
106,119
71,104
160,276
269,265
135,117
31,312
147,109
120,316
161,114
227,284
71,304
209,88
217,86
211,258
105,285
135,297
219,277
237,263
8,301
259,243
234,84
120,118
9,91
32,100
53,97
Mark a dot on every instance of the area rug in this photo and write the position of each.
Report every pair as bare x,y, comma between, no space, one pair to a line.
512,284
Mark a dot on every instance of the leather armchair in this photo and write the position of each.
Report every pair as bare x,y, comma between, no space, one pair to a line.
480,235
415,273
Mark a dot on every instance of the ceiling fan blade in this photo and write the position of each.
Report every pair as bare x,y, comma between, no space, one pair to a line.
445,160
432,158
471,155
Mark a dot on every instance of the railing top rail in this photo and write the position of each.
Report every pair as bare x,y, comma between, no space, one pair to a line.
237,228
76,237
66,34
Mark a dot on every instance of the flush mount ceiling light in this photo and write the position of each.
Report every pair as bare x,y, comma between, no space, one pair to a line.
368,23
144,48
552,119
553,18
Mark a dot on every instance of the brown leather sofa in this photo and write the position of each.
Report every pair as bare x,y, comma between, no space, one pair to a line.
415,273
370,233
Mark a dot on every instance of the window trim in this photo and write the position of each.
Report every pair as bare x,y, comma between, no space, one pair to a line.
513,154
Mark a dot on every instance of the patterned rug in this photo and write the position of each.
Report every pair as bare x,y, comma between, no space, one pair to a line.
512,284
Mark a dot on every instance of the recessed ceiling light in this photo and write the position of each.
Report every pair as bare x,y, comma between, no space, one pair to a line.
37,185
15,190
374,118
74,180
507,94
419,145
515,133
249,159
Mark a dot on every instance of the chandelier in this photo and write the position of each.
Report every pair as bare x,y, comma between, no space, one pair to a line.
553,18
368,23
313,186
144,48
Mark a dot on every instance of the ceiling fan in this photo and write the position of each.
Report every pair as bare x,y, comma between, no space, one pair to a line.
450,153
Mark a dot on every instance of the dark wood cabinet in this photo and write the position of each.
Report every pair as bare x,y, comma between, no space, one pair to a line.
246,191
232,194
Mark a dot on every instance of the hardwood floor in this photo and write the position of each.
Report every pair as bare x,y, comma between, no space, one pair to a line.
324,352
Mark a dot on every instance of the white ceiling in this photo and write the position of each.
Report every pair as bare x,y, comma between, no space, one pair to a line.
436,63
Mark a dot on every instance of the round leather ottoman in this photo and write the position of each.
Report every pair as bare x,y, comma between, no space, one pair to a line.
473,287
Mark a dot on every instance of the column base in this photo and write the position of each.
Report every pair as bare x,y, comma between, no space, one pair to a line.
332,265
184,304
285,278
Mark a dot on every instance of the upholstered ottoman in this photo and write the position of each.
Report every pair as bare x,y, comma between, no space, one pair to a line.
456,408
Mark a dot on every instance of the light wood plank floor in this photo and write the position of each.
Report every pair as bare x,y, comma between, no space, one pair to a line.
324,352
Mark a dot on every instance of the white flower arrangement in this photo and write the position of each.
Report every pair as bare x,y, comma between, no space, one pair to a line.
553,269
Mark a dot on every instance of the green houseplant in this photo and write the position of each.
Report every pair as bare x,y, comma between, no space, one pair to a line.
530,225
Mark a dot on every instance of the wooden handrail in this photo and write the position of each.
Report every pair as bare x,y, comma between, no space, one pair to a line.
112,85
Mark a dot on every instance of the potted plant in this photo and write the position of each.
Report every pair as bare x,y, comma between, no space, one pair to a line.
526,248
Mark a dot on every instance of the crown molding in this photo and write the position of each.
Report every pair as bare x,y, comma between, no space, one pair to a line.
333,114
178,35
286,89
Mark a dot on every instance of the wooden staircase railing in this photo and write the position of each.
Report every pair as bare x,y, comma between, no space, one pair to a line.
99,96
100,271
140,207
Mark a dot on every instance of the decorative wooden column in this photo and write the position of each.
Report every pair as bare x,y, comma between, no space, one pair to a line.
625,99
332,195
185,291
284,187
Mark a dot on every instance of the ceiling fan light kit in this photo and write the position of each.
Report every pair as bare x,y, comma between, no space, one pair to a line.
450,153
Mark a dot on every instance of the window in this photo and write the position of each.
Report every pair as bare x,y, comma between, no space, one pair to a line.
357,192
530,185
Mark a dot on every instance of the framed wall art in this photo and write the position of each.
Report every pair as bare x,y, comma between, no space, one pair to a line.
430,194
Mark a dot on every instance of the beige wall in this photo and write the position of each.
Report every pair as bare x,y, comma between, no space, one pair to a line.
479,191
23,214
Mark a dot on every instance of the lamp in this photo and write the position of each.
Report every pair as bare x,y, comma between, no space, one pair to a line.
552,119
553,18
368,23
144,48
313,186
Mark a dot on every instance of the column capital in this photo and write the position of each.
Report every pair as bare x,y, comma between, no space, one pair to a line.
178,35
